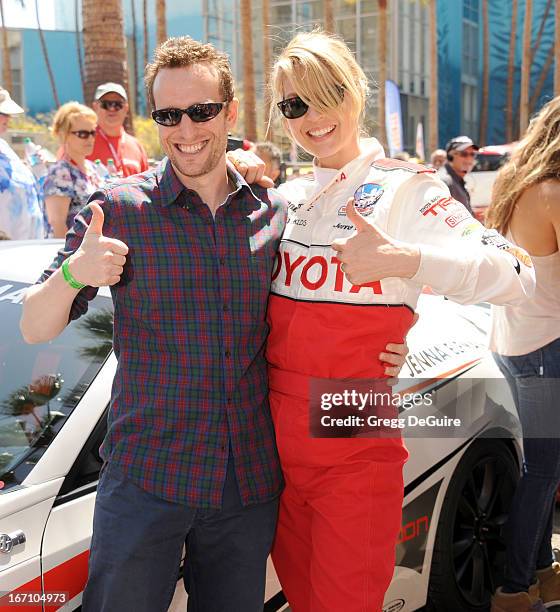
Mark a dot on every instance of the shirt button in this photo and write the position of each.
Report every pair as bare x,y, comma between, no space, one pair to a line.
226,307
222,261
227,353
229,400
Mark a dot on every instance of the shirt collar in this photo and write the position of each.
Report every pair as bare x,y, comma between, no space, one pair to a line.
239,182
170,187
370,150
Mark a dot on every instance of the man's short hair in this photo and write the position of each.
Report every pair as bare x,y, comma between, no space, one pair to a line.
270,149
183,51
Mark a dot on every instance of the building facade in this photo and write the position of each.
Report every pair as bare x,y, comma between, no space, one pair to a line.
460,44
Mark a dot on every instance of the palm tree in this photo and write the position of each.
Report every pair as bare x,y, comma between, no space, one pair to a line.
542,78
382,58
104,44
6,63
328,12
525,68
46,56
146,42
535,46
249,100
98,327
511,72
161,21
485,75
433,137
557,48
7,82
79,44
135,95
266,67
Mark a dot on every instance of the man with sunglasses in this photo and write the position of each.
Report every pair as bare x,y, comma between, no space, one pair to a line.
110,103
190,456
461,157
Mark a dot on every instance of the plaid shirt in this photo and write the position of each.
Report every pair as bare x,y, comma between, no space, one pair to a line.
189,333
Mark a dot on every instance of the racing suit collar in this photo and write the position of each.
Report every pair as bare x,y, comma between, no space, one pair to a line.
371,150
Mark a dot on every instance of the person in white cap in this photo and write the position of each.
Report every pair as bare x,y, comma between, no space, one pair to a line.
21,216
110,103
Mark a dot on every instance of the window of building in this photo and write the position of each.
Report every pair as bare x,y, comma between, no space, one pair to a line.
470,10
469,123
470,67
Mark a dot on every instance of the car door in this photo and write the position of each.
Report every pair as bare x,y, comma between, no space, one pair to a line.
51,397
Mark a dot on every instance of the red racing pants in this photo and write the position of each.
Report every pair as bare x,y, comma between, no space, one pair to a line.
340,513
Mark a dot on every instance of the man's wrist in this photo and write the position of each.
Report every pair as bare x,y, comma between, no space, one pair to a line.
68,273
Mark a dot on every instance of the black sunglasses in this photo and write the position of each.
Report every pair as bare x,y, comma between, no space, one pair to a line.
199,113
295,107
111,104
83,134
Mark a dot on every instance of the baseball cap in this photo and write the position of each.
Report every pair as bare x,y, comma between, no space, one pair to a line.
106,88
460,143
7,105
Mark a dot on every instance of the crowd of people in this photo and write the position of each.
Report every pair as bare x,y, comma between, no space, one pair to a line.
94,148
215,450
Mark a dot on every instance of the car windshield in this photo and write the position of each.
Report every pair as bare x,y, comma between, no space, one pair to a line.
41,384
488,162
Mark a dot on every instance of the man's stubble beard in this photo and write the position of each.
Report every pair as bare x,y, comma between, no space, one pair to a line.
213,159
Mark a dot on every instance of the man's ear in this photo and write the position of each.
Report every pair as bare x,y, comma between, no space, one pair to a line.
232,112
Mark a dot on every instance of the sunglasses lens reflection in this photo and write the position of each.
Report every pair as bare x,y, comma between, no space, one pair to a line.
293,108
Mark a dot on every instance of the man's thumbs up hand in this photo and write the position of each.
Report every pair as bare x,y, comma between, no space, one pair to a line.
99,261
97,219
369,254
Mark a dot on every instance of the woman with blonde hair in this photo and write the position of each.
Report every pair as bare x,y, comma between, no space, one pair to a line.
526,341
73,178
363,235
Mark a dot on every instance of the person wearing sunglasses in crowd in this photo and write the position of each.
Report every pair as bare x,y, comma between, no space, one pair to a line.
73,178
461,158
363,235
110,102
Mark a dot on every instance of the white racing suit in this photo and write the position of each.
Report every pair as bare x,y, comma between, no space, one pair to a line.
340,513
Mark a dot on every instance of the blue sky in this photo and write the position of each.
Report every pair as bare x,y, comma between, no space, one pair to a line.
17,17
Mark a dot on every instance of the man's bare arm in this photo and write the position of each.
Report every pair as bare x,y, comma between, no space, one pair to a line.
98,262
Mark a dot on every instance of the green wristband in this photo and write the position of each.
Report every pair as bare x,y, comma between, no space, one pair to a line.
68,276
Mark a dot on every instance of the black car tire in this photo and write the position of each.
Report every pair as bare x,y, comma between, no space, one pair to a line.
469,550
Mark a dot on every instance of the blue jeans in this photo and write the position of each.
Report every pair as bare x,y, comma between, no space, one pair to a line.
534,380
138,541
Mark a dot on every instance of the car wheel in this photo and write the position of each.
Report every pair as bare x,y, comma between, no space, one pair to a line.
469,551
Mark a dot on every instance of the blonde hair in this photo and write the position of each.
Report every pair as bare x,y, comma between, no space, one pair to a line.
535,159
183,51
318,65
62,122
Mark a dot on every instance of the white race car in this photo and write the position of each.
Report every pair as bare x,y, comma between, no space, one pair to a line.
53,403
